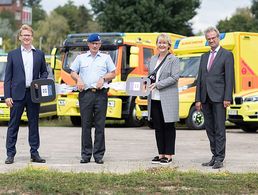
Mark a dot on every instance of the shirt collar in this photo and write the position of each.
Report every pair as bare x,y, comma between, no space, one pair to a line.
89,53
24,49
216,50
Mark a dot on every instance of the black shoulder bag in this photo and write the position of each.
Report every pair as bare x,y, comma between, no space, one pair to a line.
153,75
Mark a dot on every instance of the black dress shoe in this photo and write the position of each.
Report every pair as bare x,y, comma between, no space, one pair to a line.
85,160
9,160
37,159
210,163
217,165
100,161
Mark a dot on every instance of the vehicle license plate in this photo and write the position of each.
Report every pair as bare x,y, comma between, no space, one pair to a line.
232,112
144,113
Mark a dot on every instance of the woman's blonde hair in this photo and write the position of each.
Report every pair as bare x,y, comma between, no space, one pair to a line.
166,37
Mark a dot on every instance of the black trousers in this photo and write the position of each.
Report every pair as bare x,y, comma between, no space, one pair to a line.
93,108
16,111
165,132
215,117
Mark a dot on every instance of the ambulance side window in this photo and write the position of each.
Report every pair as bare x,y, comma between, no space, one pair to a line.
125,63
147,53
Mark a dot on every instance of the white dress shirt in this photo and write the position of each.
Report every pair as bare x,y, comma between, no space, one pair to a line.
155,92
27,58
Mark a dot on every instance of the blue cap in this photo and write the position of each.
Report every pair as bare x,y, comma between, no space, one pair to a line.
94,37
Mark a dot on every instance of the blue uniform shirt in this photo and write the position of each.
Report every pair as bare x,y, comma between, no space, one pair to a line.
90,69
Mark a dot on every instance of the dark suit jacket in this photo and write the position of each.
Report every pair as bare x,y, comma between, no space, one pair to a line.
218,83
14,82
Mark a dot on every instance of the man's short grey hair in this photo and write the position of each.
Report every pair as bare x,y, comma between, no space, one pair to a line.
210,29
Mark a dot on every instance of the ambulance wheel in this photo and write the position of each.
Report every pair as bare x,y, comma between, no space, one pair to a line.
248,128
76,121
132,120
150,124
195,120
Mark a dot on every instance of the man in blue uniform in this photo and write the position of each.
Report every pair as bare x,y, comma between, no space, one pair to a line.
92,71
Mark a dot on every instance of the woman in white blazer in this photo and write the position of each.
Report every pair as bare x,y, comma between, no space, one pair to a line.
163,101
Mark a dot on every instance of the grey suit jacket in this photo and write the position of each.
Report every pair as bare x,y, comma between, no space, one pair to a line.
168,87
218,83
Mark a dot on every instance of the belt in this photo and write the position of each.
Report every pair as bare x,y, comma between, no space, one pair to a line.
94,90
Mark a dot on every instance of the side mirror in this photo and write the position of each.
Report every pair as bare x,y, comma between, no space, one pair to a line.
56,63
53,58
134,57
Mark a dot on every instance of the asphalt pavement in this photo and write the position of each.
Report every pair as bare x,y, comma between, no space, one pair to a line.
131,149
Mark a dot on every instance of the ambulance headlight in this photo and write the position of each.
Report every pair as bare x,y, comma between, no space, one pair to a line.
251,99
185,87
111,104
61,102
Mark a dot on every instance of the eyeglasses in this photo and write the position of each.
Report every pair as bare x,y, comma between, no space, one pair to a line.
26,35
211,38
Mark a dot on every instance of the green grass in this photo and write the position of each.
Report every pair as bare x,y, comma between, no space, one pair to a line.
152,181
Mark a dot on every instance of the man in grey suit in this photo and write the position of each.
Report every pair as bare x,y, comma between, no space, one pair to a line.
214,90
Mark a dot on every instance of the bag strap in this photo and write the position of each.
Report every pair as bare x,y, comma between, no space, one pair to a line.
156,69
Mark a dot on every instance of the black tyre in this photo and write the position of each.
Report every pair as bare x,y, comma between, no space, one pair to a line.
76,121
195,120
249,128
150,124
132,120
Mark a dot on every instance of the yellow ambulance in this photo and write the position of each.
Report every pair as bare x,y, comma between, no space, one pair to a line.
130,52
47,109
244,46
244,111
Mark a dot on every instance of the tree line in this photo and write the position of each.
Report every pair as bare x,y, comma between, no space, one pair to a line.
118,16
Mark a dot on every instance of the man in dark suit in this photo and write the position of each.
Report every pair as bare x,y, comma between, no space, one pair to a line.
214,90
24,64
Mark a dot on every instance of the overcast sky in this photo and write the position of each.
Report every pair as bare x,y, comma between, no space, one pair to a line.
210,12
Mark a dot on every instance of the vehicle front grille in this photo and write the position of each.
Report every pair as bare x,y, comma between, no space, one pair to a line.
238,100
235,117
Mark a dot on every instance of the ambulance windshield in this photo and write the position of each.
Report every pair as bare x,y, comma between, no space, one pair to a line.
71,55
189,66
2,70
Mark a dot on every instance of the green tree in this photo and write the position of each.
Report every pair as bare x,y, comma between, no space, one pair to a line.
51,32
10,17
241,20
146,15
7,30
38,13
78,17
254,10
7,34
